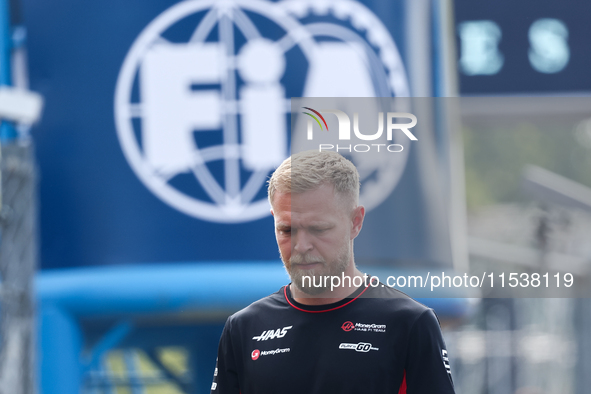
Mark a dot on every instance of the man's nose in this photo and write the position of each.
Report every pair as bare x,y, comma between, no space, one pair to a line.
301,242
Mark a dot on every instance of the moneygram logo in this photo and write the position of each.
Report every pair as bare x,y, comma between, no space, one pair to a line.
350,326
344,132
257,353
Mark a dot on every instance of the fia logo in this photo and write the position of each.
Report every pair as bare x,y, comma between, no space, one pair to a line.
202,98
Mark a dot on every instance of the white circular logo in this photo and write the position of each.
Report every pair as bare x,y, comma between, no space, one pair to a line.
202,117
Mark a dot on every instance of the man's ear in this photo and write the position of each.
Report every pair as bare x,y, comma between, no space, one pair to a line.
272,214
358,216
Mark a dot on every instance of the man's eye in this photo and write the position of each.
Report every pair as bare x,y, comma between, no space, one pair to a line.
285,231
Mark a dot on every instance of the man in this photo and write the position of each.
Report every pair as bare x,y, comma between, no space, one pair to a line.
310,337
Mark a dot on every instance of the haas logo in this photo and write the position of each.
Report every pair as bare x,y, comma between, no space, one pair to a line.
348,326
272,334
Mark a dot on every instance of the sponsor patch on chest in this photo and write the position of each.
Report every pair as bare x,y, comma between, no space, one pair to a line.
366,327
362,347
272,334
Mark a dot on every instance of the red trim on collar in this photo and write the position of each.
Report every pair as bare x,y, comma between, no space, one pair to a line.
326,310
402,389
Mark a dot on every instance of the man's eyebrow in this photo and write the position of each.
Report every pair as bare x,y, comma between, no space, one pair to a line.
282,226
321,224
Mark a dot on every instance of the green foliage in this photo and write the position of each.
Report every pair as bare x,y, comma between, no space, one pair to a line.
496,154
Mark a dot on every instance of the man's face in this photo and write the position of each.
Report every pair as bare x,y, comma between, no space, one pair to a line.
315,232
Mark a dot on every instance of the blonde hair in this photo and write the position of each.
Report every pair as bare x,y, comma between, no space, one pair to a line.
309,170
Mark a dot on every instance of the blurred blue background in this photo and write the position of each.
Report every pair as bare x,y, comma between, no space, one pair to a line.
146,214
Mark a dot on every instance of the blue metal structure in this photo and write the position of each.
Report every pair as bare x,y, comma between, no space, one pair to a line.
7,131
124,297
5,43
144,307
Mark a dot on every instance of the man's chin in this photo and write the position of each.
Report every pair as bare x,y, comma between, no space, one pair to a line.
310,291
307,286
